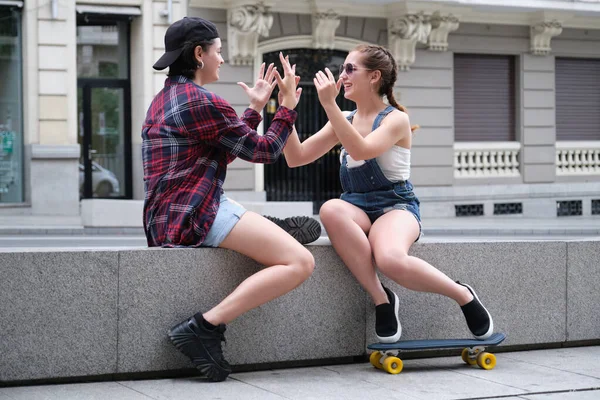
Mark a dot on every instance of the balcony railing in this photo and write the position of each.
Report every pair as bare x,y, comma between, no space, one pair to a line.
578,158
486,159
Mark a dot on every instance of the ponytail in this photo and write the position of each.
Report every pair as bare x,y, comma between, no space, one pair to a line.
392,100
380,58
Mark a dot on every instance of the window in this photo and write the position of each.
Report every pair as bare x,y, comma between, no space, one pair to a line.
484,98
577,99
11,100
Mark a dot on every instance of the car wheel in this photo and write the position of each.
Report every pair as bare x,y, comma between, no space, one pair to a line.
104,189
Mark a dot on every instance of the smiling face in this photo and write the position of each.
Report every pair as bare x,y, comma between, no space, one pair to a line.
356,78
212,60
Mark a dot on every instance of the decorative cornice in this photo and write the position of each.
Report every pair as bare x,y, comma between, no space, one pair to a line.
245,24
441,26
403,35
324,25
541,34
579,15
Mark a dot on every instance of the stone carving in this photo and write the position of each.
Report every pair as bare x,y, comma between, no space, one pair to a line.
541,34
246,23
324,25
441,26
403,35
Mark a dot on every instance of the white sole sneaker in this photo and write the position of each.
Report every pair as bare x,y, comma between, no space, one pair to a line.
396,337
490,330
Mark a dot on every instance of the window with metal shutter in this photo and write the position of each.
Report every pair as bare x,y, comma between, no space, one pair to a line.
484,98
577,99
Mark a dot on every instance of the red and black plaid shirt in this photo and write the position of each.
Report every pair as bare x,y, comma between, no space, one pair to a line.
189,137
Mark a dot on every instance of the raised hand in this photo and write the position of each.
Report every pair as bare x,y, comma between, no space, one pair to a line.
287,84
263,87
298,90
327,87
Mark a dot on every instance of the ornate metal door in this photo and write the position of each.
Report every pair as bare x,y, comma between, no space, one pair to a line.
319,181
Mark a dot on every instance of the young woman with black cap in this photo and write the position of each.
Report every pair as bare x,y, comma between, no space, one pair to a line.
189,137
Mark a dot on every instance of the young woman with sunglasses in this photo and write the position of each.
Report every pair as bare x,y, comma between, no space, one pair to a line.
377,216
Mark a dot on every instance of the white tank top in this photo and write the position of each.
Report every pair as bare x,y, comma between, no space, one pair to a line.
394,163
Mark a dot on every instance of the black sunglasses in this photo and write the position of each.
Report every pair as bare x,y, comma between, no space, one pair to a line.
349,68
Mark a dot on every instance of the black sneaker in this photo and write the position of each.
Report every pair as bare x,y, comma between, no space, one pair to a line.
203,347
387,323
303,229
478,318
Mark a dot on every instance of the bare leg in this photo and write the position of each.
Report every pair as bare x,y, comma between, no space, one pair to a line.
288,265
347,226
391,237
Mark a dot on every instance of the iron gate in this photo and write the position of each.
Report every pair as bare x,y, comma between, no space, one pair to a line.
318,181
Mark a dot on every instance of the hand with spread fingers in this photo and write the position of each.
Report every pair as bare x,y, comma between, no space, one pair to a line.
327,87
287,84
263,87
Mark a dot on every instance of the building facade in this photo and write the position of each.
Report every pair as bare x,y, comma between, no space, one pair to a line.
507,95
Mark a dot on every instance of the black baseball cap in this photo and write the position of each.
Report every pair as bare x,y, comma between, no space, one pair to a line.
187,28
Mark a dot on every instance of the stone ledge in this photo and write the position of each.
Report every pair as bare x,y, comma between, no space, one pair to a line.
86,313
47,151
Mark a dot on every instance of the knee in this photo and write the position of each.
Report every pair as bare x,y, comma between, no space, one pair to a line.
330,211
305,264
392,264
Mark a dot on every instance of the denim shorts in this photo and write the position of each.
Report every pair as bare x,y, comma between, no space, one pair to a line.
228,215
378,202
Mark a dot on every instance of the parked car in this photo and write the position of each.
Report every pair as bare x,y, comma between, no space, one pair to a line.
104,181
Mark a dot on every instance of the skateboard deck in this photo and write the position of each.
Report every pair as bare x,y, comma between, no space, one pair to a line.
385,355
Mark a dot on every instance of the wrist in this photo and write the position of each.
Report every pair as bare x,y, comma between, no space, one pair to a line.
330,106
288,104
289,101
256,106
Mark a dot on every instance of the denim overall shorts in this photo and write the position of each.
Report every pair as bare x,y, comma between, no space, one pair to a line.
367,188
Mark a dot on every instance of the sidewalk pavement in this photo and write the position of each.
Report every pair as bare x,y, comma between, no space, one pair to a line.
557,374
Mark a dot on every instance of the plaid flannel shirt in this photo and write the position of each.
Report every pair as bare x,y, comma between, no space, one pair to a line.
188,138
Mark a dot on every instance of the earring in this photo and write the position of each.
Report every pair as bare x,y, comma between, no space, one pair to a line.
201,65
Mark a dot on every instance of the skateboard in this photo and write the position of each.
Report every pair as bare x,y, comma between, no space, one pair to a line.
386,357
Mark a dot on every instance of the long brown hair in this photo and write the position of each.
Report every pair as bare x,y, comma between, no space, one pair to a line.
378,58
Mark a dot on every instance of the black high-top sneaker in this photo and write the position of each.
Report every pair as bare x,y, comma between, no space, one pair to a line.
387,323
478,318
203,347
303,229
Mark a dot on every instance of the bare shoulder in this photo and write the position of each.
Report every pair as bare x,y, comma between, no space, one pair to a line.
396,117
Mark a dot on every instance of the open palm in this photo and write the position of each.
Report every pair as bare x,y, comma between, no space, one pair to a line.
327,87
263,87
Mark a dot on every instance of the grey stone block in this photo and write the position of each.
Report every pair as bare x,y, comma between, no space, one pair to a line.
539,208
583,295
521,284
62,312
323,318
539,154
538,173
63,199
58,313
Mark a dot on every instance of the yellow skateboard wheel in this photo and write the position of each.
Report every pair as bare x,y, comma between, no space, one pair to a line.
486,360
465,357
393,365
374,360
